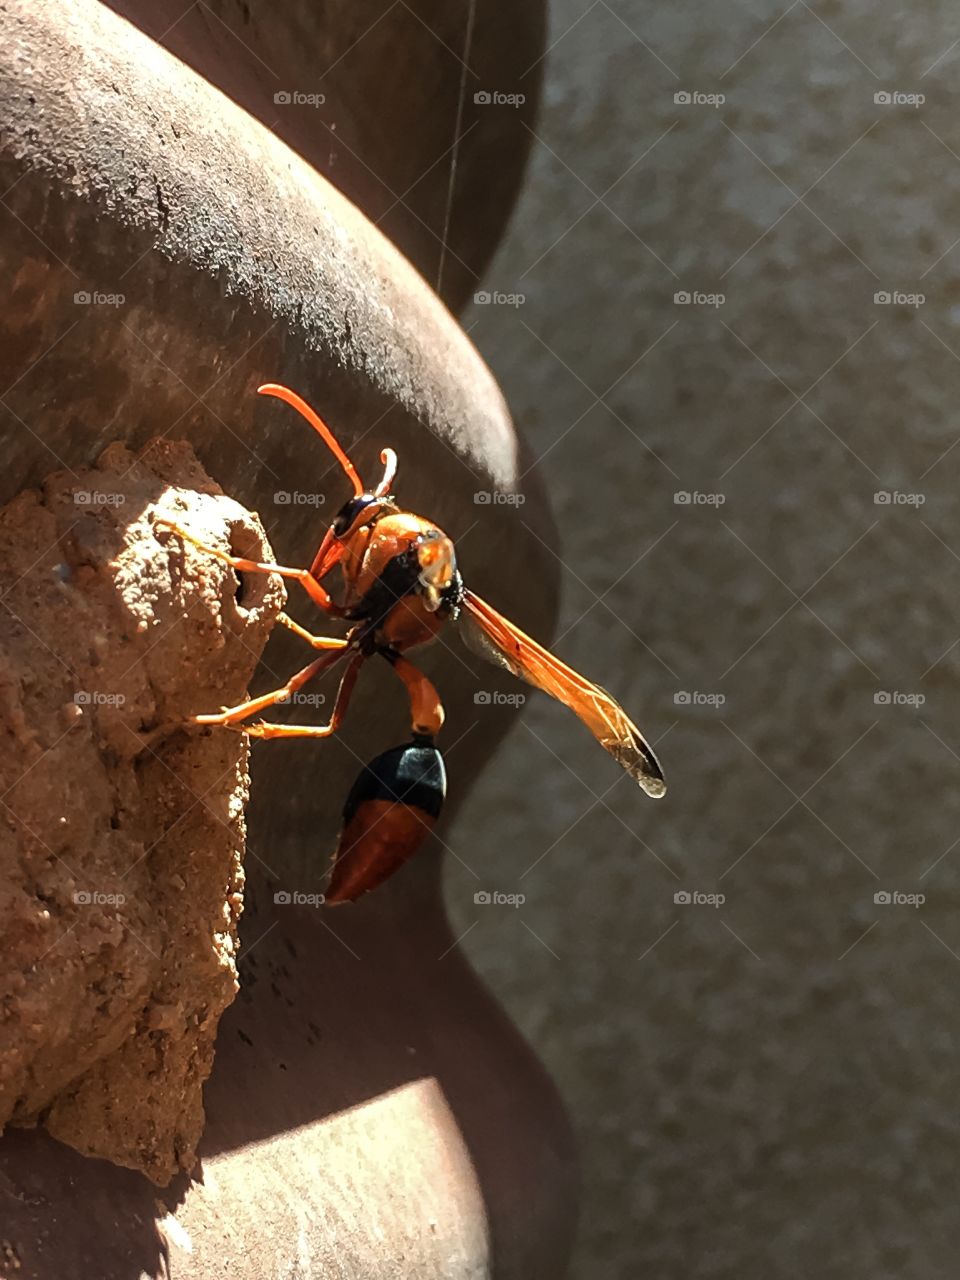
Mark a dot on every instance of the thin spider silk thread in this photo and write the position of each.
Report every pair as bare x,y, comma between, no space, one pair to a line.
451,185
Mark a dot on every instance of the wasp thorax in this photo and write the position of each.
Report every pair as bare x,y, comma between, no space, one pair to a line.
438,566
438,561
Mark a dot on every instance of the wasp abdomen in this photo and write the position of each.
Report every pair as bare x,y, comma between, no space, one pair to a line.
390,809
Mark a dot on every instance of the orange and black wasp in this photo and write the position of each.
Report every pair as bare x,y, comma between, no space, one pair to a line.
400,586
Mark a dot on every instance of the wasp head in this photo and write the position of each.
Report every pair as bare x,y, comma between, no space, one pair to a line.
362,510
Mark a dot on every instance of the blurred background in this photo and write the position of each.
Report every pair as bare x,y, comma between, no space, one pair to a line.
736,358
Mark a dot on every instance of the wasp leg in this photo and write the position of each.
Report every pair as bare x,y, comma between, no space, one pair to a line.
426,709
318,642
264,730
229,716
317,594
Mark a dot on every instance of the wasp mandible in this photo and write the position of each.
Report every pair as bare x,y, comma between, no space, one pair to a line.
401,585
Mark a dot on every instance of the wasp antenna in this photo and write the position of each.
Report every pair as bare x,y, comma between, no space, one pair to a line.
301,406
389,459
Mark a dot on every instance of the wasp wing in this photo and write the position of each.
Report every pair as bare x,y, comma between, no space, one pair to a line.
491,635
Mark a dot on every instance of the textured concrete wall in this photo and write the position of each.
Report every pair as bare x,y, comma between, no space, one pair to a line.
765,1088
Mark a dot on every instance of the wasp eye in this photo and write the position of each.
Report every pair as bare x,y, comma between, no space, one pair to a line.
356,513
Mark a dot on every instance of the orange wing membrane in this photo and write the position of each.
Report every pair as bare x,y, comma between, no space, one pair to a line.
499,640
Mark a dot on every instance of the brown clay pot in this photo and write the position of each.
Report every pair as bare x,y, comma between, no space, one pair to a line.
371,1110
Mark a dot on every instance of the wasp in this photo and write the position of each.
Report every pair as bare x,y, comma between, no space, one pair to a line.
401,586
